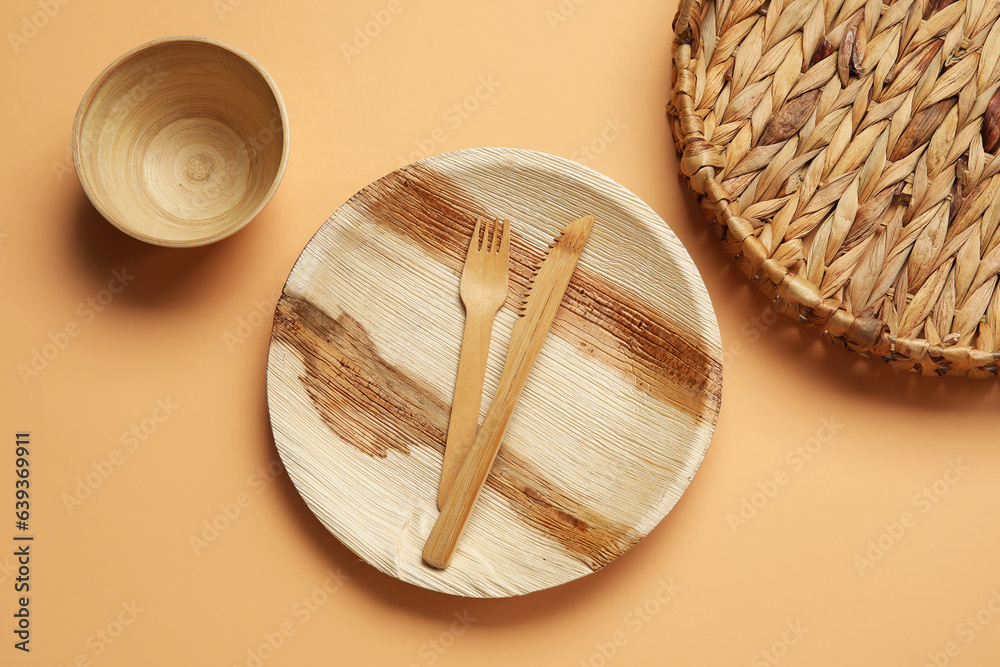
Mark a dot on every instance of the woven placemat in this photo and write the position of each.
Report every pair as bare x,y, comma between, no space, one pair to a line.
844,150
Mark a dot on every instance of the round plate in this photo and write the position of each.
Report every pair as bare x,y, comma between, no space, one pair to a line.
614,419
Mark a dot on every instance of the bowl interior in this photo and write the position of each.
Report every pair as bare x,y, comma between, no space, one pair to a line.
181,142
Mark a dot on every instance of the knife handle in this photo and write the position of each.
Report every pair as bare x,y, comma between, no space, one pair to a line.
473,473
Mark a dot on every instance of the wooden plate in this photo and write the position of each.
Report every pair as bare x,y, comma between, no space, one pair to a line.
614,419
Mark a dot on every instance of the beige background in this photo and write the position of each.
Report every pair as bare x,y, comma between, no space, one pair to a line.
190,329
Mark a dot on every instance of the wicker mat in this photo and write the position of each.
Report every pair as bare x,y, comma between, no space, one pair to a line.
845,151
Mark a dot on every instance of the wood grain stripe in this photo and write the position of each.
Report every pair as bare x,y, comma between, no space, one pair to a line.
375,407
604,320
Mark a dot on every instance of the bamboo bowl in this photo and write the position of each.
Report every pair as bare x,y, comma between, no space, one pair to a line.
182,141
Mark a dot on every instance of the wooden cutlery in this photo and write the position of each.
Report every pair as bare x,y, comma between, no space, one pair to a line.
483,289
539,309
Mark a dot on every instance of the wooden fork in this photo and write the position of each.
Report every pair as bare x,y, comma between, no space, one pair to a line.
483,290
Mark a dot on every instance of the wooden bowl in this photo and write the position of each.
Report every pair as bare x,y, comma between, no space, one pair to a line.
182,141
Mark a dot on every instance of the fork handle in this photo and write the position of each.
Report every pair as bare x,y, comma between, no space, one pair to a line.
468,397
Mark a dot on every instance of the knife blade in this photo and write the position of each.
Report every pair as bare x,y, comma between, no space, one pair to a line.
541,303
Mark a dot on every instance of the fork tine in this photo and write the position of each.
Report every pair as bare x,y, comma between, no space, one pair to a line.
494,241
474,244
505,238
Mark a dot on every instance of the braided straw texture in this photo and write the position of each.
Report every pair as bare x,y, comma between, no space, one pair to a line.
845,152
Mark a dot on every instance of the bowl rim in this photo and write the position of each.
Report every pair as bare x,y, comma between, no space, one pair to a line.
95,86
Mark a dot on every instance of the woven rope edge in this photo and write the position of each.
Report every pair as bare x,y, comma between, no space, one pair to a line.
792,294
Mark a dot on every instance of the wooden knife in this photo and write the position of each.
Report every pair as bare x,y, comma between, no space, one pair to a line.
539,309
